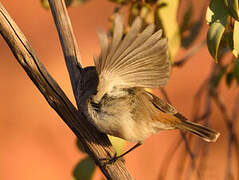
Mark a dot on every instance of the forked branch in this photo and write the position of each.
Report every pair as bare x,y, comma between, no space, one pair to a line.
95,143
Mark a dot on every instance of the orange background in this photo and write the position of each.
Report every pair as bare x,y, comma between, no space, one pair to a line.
35,142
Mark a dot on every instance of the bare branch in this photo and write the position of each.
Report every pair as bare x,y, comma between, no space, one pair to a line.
165,94
235,112
183,137
236,144
189,54
68,42
231,136
95,143
167,159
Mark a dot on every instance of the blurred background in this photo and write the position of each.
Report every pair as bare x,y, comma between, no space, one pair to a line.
35,142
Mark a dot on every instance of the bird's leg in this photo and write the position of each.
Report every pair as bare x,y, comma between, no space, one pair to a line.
131,149
115,158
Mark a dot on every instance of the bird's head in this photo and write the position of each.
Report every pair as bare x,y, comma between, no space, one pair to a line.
88,84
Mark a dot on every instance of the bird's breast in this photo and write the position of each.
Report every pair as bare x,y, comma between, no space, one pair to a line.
125,114
112,114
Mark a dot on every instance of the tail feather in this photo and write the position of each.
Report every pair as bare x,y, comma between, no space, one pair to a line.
203,132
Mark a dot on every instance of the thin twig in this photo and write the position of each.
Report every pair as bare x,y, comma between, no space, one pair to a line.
229,123
183,136
68,43
181,165
222,108
181,132
188,149
203,158
229,173
191,155
197,101
204,148
189,54
235,114
165,94
163,172
236,144
196,117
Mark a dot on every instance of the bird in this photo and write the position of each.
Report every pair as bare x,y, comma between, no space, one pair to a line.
114,93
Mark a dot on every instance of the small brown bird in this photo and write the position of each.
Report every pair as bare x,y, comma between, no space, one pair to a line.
114,94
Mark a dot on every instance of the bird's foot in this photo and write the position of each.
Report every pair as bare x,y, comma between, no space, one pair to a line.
112,160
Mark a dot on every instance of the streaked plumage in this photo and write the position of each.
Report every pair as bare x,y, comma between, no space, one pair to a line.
115,96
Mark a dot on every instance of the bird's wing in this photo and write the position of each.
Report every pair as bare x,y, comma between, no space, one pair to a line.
161,104
140,59
171,118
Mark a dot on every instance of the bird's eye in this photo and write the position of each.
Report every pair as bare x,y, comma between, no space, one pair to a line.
96,106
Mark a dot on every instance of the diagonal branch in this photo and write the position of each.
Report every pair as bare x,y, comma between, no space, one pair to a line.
95,143
68,42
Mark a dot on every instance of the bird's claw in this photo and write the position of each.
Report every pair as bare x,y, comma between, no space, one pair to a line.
112,160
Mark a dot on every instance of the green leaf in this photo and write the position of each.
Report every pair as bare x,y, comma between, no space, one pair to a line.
166,18
118,144
214,36
232,6
80,146
236,70
45,4
236,39
215,11
229,79
84,169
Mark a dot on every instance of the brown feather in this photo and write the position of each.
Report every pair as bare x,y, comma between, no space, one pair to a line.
167,114
125,67
138,60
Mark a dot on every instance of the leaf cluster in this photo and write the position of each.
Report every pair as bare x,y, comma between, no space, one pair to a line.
223,19
223,36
